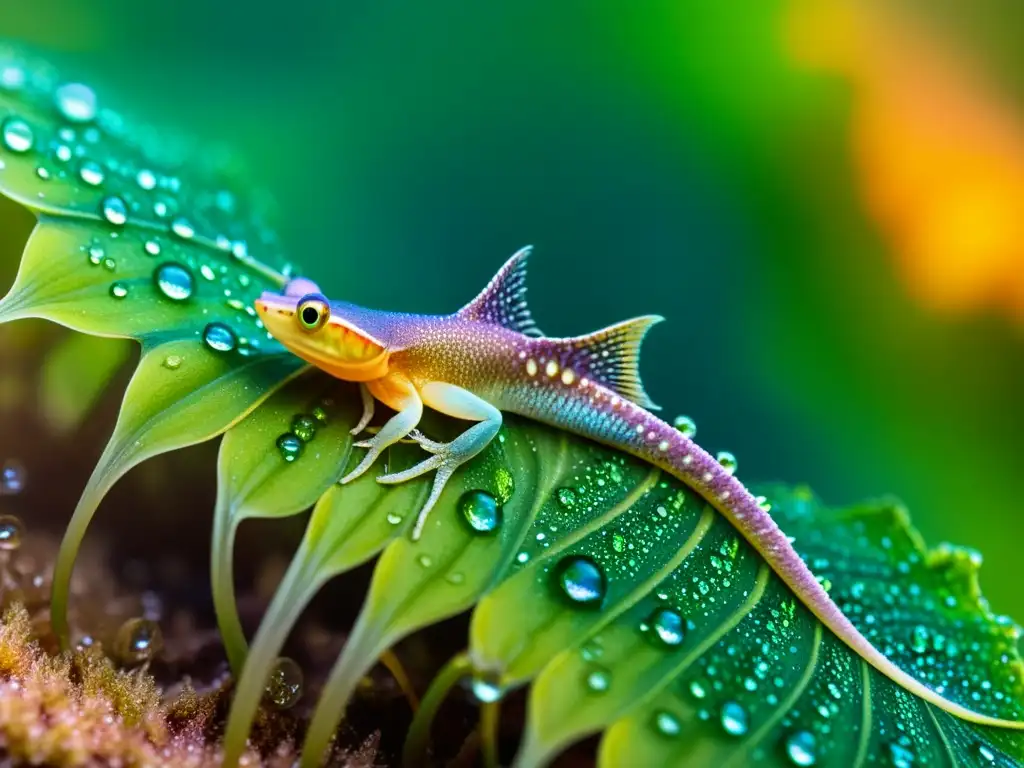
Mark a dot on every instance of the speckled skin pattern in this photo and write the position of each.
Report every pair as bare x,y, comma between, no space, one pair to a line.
580,385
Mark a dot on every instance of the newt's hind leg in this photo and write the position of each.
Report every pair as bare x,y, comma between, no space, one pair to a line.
402,396
447,457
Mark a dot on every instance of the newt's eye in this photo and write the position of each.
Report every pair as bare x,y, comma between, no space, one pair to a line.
313,312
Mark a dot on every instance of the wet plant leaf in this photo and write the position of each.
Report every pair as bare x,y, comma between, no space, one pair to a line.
629,606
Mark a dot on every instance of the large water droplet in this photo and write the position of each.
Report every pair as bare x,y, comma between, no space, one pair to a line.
76,102
734,719
566,497
800,748
137,640
487,688
667,724
12,478
11,533
175,281
183,229
91,173
598,680
304,427
582,581
667,626
481,511
290,446
284,687
728,461
686,425
17,135
114,210
219,337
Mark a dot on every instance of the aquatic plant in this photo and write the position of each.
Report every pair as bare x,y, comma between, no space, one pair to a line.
626,603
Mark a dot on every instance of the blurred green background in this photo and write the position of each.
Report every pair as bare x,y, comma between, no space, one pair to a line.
675,158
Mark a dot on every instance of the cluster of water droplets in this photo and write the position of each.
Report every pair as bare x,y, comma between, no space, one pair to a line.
304,426
200,237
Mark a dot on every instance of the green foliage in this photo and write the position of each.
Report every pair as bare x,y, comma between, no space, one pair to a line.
629,604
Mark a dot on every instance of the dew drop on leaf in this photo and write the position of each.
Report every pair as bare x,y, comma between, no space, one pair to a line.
290,446
618,542
91,173
284,686
219,337
566,497
118,290
172,362
137,640
183,229
986,754
17,135
304,427
76,102
486,688
320,414
10,533
667,626
174,281
728,461
582,581
598,680
481,511
114,210
667,724
12,478
734,719
800,748
146,179
686,425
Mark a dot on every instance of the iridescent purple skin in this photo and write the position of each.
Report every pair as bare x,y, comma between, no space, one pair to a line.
589,385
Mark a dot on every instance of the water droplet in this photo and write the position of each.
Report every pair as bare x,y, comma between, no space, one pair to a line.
172,362
304,427
17,135
728,461
96,255
599,680
76,102
12,77
91,173
11,532
290,446
119,290
697,690
667,724
284,687
394,519
175,281
734,719
481,511
566,497
152,247
207,272
219,337
618,542
145,179
667,626
182,228
425,561
12,478
582,581
320,414
986,754
800,748
114,210
901,756
137,640
686,425
487,688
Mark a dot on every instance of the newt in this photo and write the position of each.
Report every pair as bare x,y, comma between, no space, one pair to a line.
489,358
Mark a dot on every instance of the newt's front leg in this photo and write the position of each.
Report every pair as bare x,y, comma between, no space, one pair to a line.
462,404
396,392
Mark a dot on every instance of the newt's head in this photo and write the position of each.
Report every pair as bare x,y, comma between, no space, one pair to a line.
302,320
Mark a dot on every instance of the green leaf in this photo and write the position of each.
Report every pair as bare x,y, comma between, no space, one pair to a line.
129,244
